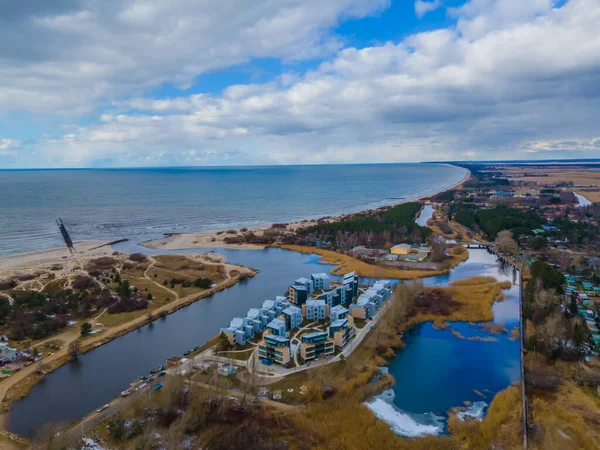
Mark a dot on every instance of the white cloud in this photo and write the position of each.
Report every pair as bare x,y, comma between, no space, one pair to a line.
8,146
69,56
423,7
501,83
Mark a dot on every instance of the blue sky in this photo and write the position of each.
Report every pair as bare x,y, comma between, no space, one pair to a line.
179,82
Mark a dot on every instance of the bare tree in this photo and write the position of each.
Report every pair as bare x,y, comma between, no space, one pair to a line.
506,243
552,332
564,260
75,349
438,249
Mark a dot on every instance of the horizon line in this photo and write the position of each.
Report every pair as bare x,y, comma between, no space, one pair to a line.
452,162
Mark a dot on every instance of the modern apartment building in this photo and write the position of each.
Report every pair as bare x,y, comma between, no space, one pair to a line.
316,344
275,348
293,317
315,310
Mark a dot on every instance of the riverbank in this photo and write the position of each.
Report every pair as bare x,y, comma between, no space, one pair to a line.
18,385
218,238
345,264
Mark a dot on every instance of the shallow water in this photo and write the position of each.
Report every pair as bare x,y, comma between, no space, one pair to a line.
437,371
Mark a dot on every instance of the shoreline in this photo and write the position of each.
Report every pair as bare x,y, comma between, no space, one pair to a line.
215,238
28,378
196,240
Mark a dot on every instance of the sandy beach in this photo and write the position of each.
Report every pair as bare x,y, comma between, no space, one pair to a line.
216,238
62,256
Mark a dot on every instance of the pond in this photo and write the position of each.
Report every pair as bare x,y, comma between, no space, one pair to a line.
437,371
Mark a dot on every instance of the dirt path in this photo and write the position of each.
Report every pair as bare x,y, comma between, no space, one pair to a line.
170,291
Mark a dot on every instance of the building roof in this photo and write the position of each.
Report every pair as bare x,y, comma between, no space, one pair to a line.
268,304
316,334
253,313
339,323
403,246
298,287
302,281
349,275
236,322
292,310
274,337
337,310
363,300
315,303
321,275
276,323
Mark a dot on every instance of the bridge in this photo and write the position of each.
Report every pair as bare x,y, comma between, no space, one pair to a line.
478,245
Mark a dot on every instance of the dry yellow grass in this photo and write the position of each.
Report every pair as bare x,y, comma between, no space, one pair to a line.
501,428
568,418
345,264
344,422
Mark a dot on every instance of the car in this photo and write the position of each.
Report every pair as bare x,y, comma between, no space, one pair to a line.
102,408
162,374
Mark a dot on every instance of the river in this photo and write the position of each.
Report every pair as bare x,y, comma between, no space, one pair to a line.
98,376
425,214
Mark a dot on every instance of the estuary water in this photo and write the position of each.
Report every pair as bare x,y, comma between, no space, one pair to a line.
112,204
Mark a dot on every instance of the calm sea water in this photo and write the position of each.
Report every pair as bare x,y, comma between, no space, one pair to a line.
119,203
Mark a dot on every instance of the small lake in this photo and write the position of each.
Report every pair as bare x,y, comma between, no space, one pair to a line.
437,371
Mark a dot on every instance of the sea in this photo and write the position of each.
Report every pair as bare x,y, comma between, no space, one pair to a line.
110,204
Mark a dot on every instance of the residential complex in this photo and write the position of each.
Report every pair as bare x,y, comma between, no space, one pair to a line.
312,300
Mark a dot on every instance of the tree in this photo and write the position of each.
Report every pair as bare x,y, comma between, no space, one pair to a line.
539,243
552,333
223,344
149,296
573,306
86,329
506,243
75,349
438,249
564,261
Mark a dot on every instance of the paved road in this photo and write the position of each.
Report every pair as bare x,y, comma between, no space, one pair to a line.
94,418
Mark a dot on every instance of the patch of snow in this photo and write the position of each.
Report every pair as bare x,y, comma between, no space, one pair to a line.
475,411
404,423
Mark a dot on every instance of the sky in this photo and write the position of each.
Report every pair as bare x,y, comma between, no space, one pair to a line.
135,83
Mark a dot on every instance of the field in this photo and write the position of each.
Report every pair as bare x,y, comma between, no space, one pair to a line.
556,173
